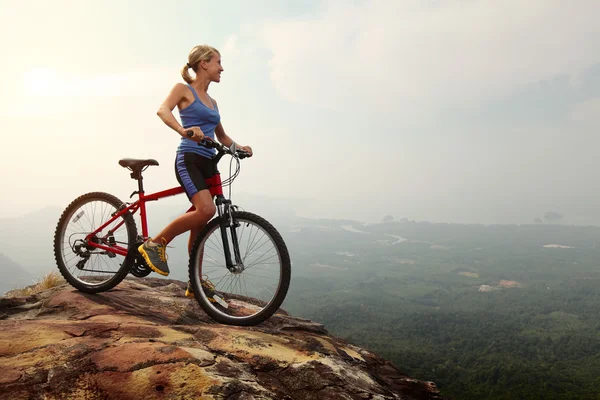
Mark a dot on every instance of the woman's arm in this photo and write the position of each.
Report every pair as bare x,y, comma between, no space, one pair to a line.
225,140
222,136
165,111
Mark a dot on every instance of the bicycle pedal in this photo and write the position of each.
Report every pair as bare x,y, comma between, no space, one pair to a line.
220,301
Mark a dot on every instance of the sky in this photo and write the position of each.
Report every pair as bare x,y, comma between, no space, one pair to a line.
466,111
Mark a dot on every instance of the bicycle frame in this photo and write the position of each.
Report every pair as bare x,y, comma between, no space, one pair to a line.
138,205
223,209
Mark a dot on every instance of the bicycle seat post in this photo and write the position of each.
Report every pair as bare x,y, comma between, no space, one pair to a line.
136,167
137,175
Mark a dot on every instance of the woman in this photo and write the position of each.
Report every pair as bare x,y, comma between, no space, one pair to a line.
194,164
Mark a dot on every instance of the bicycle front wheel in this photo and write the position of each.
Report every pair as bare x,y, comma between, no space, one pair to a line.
86,267
255,289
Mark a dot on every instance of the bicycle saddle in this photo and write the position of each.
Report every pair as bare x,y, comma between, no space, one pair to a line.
135,163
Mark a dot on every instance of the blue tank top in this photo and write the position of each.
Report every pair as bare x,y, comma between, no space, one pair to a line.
197,114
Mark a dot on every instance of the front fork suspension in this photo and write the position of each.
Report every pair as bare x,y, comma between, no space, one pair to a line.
225,211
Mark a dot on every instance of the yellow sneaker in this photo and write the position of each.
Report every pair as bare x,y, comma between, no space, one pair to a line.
155,256
210,292
189,292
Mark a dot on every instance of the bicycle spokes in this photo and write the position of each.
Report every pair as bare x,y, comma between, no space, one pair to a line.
251,283
89,255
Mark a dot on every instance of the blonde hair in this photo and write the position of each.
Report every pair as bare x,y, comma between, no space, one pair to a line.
197,54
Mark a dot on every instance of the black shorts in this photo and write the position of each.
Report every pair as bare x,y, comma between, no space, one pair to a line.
195,173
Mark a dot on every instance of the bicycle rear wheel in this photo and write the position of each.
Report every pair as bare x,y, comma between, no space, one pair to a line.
255,290
87,268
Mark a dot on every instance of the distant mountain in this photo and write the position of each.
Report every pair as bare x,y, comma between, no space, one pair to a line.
12,275
27,239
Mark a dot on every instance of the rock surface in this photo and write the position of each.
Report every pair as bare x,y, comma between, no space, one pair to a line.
146,340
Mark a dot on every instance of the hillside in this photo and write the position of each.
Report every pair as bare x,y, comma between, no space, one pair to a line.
486,312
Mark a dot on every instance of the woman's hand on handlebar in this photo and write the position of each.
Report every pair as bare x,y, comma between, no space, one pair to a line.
247,149
194,133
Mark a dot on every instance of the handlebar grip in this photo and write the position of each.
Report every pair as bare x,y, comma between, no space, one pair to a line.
206,141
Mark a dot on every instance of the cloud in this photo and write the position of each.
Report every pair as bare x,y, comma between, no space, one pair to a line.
48,82
406,55
230,48
49,91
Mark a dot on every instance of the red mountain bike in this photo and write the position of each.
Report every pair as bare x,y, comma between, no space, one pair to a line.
239,266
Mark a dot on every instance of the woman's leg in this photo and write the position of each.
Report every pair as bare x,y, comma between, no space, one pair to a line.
154,251
191,171
189,292
193,220
193,235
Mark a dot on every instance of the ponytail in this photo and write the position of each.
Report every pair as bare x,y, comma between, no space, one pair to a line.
185,74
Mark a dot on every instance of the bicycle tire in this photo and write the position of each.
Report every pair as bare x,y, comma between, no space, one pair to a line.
60,232
284,266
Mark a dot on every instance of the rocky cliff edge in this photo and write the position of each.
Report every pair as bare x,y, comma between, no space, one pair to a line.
146,340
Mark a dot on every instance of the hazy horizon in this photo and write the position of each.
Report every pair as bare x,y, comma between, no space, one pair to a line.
464,112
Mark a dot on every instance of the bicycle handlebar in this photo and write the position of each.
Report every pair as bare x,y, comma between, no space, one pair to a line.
209,143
